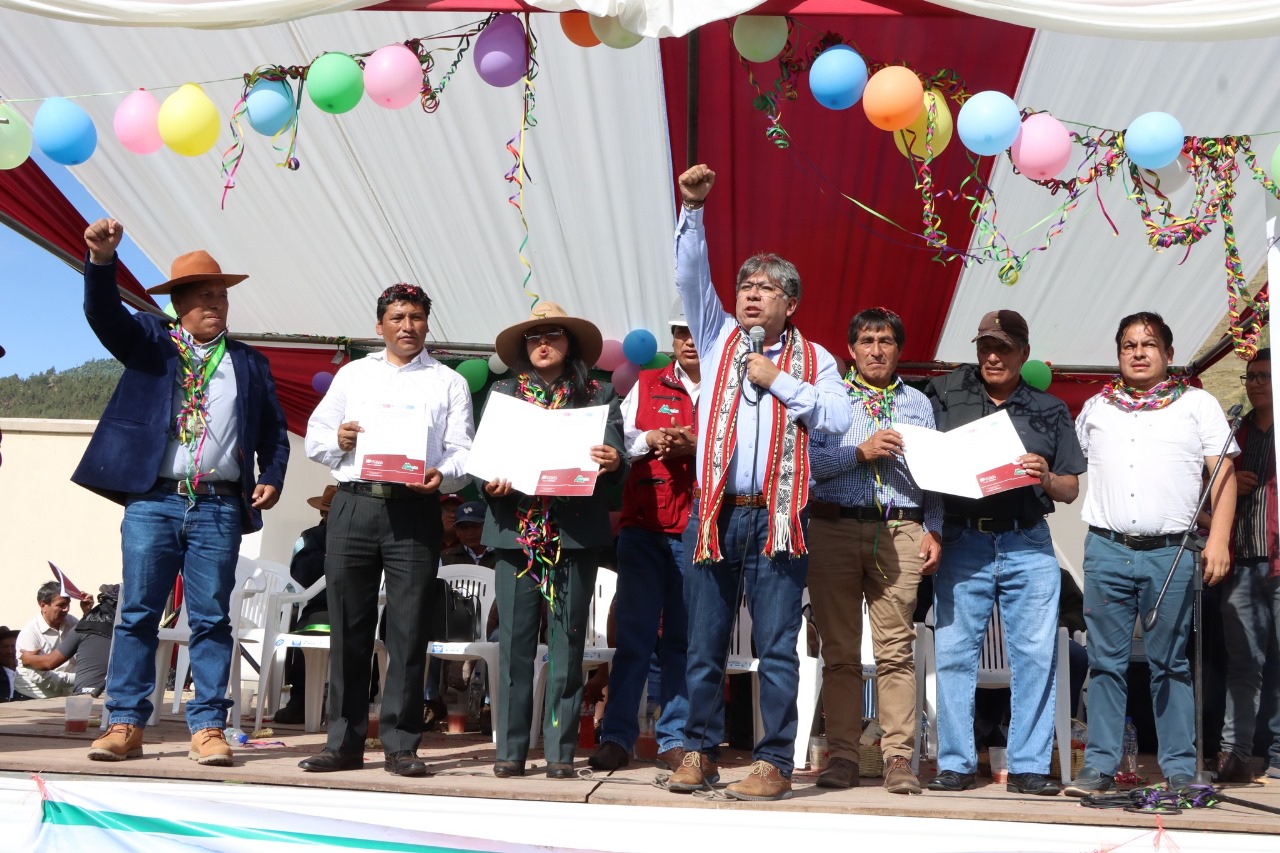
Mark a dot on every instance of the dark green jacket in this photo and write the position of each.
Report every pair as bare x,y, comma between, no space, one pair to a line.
583,522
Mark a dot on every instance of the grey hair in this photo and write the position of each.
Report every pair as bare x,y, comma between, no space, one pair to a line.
49,590
779,270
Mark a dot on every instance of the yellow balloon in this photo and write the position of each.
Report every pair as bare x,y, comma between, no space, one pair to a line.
913,134
188,121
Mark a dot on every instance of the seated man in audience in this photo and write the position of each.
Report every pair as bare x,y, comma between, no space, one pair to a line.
468,525
89,644
8,663
41,635
307,567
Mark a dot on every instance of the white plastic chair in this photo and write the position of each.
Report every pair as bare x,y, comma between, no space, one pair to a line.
741,661
261,613
993,671
595,651
277,641
180,636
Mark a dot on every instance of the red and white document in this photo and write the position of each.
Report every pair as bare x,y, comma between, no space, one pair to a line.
541,451
972,461
393,446
66,587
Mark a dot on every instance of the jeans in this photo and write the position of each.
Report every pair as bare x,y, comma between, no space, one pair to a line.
162,535
1251,629
651,572
1119,585
774,587
1017,570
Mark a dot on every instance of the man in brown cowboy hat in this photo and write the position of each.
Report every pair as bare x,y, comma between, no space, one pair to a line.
177,446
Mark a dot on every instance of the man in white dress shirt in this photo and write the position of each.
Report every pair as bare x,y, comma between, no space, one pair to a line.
382,527
42,635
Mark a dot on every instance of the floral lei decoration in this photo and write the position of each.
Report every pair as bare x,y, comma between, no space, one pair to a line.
1130,399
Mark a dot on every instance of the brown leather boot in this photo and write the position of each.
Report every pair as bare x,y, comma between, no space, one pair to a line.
765,782
209,747
898,778
840,773
122,740
695,773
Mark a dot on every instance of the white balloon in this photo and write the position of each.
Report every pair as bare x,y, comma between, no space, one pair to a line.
497,365
1169,179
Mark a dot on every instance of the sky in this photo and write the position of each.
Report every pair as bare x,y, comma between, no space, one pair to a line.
42,323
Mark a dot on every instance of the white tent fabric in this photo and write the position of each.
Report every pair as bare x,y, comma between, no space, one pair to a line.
1189,20
1089,277
385,196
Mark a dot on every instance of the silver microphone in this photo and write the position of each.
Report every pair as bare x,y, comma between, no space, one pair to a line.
757,338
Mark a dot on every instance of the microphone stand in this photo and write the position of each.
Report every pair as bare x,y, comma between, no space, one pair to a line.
1190,541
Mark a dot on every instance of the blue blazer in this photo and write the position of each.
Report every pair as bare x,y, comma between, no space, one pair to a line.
127,449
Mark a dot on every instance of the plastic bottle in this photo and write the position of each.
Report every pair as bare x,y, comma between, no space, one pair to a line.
235,737
1129,755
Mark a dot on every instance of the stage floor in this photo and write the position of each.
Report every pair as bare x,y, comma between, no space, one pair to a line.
32,740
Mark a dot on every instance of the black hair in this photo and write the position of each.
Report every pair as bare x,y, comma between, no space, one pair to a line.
875,319
1263,354
49,590
403,293
1152,321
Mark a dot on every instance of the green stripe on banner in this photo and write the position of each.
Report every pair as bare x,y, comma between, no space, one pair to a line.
63,814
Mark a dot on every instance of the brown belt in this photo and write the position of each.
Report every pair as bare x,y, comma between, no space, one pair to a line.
222,488
752,501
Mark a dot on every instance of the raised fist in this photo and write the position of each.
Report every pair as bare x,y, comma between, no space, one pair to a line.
696,183
102,238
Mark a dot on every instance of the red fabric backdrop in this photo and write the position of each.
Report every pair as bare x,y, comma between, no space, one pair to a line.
294,368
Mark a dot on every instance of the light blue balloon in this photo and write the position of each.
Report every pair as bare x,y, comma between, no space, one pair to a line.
837,77
64,132
639,346
270,106
988,123
1153,140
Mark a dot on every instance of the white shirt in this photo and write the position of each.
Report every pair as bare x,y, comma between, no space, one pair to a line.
635,438
38,636
1145,467
447,403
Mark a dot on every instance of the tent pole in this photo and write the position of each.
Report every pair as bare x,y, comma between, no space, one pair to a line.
691,108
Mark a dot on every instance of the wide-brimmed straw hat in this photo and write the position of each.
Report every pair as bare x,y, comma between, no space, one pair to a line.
323,501
510,344
192,267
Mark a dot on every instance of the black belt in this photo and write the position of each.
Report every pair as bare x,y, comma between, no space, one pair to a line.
993,525
205,488
1137,543
383,491
870,513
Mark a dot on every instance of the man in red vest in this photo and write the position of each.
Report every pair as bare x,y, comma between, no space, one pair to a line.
659,422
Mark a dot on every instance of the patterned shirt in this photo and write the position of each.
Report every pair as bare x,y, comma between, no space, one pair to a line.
838,476
1259,457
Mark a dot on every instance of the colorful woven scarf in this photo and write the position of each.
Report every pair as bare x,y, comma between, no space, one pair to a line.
537,532
786,483
190,425
1130,399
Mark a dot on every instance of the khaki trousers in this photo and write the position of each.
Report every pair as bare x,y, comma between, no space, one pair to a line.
850,560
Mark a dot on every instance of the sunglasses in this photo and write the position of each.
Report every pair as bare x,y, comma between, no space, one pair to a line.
550,337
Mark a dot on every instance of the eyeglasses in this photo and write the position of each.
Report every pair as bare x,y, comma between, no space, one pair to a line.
1246,378
549,336
765,289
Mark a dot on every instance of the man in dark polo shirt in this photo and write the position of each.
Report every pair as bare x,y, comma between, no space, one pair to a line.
997,549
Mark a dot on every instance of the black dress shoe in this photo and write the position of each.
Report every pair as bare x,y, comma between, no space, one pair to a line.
1089,782
951,781
330,760
289,715
609,756
1032,783
507,769
404,764
561,771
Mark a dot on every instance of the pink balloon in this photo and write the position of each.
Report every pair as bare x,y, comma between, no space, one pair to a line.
137,123
502,53
610,355
1043,147
393,76
625,376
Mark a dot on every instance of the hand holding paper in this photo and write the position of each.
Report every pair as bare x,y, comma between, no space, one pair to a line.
972,461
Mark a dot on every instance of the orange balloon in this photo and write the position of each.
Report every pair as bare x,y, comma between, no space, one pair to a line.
577,27
892,98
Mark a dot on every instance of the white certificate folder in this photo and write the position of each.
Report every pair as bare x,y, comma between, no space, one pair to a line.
541,451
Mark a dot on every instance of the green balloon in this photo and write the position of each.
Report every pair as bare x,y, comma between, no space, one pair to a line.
659,360
1037,373
476,372
335,83
15,138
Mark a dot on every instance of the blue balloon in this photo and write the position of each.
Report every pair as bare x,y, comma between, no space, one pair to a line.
837,77
1152,141
270,106
64,132
639,346
988,123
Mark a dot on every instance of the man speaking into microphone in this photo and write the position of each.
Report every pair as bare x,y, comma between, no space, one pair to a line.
770,388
